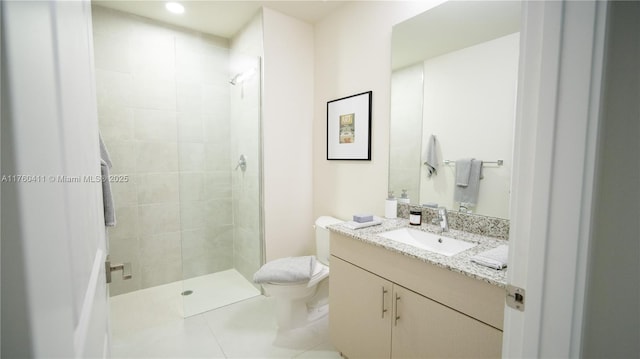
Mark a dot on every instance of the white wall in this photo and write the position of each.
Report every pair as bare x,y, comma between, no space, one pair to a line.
287,128
469,105
353,55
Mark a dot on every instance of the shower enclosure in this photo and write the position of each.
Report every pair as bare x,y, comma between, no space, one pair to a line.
220,207
179,112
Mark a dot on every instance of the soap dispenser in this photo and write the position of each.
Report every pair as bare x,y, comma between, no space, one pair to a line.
404,197
391,206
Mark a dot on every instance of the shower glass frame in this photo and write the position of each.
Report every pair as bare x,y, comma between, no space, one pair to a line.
229,244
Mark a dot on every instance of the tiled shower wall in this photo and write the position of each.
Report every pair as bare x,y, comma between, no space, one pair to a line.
163,102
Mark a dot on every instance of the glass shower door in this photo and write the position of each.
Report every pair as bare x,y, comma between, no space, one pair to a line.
220,191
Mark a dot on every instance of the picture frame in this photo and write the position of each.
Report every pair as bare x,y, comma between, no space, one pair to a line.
349,127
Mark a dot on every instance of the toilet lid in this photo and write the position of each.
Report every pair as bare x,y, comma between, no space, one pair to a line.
320,272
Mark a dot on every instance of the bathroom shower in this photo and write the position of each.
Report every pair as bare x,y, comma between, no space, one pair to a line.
176,125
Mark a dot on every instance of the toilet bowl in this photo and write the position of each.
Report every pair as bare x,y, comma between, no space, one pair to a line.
299,303
292,299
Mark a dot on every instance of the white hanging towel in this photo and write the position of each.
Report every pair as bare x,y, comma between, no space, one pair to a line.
107,196
431,157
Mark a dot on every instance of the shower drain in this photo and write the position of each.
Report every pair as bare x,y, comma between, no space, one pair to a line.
187,292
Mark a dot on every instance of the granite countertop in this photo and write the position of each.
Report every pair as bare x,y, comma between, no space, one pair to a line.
460,263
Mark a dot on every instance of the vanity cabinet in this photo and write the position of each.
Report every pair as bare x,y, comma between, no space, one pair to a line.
428,329
359,313
380,307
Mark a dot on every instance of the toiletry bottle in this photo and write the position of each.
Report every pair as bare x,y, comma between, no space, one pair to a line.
391,206
404,197
415,216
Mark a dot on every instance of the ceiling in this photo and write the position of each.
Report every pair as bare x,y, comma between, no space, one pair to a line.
221,18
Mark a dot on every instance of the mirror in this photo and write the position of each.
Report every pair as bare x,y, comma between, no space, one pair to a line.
454,76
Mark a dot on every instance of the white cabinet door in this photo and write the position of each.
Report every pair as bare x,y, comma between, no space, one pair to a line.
360,311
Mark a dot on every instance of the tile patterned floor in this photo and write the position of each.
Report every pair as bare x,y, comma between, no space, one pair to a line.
149,325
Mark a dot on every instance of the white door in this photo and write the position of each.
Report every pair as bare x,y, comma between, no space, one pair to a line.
559,89
54,295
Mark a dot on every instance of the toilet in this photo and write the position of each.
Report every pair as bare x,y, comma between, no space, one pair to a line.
302,302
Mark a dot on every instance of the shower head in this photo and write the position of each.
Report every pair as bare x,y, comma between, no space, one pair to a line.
234,80
242,77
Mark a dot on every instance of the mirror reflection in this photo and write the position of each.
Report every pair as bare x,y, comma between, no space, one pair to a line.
453,94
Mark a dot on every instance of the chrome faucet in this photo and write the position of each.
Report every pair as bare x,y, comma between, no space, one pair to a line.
442,218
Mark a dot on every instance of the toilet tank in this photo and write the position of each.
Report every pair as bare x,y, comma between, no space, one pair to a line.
322,237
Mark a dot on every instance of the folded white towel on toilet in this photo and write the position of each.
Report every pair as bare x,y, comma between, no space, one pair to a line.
286,270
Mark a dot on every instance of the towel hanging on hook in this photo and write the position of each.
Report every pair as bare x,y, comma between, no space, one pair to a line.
431,156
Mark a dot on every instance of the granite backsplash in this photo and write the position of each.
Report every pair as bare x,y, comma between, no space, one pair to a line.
472,223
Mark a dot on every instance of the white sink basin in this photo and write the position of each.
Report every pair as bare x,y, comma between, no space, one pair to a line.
428,241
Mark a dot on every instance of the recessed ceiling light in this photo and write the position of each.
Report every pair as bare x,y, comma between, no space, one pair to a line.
174,7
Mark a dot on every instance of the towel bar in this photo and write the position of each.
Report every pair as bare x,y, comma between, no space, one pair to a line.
498,162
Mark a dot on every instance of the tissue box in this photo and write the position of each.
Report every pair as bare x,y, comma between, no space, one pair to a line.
362,218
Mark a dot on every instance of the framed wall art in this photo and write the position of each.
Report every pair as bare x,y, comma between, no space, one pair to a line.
349,128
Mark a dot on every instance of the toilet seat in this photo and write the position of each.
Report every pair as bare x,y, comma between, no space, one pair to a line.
320,272
300,302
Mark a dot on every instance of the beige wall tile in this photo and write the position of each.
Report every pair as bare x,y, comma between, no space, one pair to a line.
150,91
158,218
126,223
216,128
155,125
218,212
152,51
216,98
192,157
194,215
218,157
190,127
156,157
158,274
113,89
123,156
160,248
158,188
192,186
110,52
116,123
189,97
125,193
218,184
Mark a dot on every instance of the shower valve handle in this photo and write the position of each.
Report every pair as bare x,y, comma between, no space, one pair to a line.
242,163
